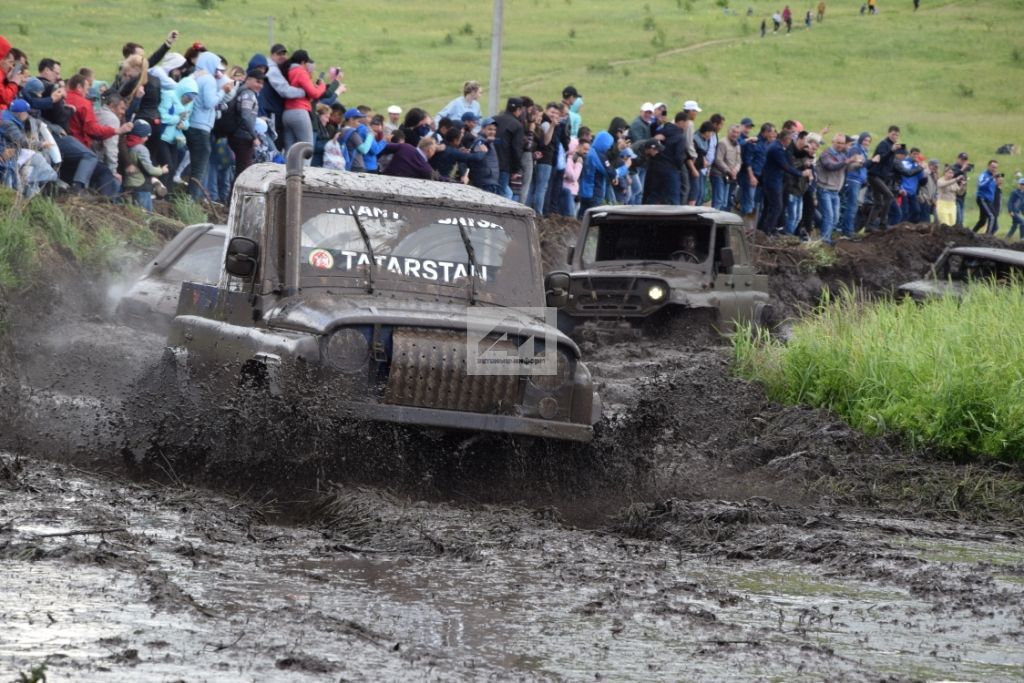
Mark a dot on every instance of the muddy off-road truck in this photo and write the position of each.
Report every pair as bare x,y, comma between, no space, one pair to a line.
365,288
957,267
635,263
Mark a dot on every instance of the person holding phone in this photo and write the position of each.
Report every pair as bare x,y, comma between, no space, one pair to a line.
880,175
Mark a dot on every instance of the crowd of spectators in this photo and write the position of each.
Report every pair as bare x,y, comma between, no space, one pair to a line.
188,120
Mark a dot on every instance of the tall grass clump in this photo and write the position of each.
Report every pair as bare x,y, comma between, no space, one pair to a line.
948,374
17,242
187,211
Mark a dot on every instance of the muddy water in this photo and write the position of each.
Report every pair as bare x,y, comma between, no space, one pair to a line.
187,584
705,544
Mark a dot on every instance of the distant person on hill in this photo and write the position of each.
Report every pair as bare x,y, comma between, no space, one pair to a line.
821,11
764,27
787,16
777,21
917,3
1015,207
872,6
807,19
989,180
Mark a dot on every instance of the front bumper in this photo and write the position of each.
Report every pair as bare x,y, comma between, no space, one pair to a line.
474,422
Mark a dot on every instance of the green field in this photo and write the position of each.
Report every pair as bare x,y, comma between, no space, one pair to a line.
950,74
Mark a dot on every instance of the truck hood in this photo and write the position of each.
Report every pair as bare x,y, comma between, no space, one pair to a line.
670,275
322,314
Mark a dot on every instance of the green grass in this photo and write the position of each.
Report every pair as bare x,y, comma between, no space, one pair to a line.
948,374
949,74
17,243
186,210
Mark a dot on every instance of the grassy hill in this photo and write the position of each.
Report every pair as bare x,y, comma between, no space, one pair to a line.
951,74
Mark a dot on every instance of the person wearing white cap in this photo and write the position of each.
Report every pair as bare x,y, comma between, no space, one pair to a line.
660,114
690,171
394,120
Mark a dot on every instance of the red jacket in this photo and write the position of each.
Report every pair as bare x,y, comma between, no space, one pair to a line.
300,79
83,125
8,91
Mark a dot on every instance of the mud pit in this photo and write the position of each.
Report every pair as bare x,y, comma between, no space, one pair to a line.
707,534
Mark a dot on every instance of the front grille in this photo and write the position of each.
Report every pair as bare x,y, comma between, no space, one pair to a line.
621,295
428,370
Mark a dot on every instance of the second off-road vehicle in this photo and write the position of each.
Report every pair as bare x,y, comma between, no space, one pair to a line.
633,262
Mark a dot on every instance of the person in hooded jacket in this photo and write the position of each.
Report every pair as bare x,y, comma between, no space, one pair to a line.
298,124
210,92
598,172
175,112
243,140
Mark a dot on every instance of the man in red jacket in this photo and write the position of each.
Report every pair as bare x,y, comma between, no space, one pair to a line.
9,84
83,124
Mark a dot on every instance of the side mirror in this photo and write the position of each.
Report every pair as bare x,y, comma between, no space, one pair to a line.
570,254
243,257
556,289
726,258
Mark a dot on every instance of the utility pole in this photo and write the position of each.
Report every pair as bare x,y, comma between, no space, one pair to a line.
497,31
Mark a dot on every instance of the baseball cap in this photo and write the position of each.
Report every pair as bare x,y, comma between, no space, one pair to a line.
654,144
354,113
570,91
141,129
487,122
257,73
1020,181
647,106
33,87
470,116
394,109
691,105
513,103
19,106
747,121
277,48
660,105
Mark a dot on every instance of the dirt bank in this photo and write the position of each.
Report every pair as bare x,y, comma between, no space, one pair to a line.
706,534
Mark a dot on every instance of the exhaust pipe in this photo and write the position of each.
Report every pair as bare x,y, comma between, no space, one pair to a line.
294,165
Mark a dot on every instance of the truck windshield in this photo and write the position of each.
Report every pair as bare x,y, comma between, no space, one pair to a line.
647,240
416,246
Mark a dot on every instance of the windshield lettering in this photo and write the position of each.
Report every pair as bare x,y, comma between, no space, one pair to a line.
425,269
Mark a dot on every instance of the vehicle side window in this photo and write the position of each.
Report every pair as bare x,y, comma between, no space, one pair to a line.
251,216
590,246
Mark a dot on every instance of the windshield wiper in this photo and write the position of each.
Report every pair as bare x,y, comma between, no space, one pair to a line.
472,264
369,250
634,264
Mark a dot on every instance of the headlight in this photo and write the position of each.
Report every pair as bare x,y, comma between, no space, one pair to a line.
347,350
656,293
562,376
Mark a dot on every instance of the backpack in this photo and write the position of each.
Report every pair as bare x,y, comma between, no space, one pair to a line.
229,120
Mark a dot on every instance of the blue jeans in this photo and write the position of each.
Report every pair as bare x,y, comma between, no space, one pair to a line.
199,146
828,205
503,179
1017,225
750,197
77,156
794,212
721,190
636,188
143,198
850,205
697,189
911,209
539,187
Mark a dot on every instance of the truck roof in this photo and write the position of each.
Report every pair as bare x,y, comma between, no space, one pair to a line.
261,177
1011,256
666,211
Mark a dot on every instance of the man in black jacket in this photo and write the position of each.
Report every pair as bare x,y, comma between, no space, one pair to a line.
509,143
880,173
664,171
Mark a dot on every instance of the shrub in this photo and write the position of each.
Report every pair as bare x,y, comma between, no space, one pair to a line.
948,374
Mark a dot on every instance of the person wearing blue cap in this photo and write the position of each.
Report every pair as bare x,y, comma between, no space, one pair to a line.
355,140
139,171
470,126
20,134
